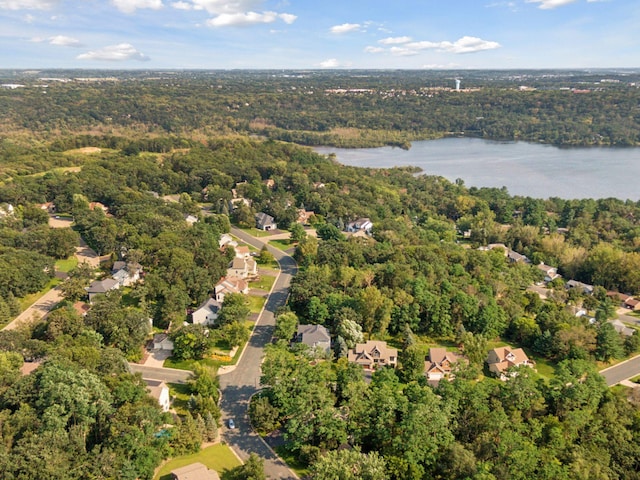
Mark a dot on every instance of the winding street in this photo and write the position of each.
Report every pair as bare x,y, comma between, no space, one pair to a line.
239,384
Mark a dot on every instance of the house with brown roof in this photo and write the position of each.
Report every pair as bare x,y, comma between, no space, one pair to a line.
502,358
550,273
626,301
440,364
229,285
242,267
304,216
373,354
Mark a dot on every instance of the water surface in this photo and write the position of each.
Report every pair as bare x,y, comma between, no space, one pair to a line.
524,168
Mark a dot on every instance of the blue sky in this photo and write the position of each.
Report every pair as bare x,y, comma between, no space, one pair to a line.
301,34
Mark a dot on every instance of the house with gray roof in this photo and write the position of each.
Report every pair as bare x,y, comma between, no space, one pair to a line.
265,222
101,287
315,336
207,313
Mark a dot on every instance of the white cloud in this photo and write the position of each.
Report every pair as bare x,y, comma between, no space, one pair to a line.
249,18
65,41
345,28
182,5
550,4
219,7
27,4
288,18
402,47
114,53
394,40
329,63
60,40
130,6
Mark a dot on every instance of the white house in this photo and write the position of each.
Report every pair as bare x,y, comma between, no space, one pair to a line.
159,390
226,239
360,225
242,267
207,313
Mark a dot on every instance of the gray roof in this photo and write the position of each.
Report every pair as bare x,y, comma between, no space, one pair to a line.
102,286
313,334
264,219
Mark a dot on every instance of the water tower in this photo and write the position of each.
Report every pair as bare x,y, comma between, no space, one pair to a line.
457,84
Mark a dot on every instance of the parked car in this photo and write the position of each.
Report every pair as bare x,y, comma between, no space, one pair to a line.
231,424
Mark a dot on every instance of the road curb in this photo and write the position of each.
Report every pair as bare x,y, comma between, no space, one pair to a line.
618,364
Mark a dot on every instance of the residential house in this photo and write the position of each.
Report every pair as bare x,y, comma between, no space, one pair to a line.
621,328
265,222
502,358
207,313
126,274
227,240
315,336
626,301
99,206
48,207
515,257
190,219
269,183
242,251
159,390
244,267
550,273
440,364
360,225
373,354
194,471
583,287
161,341
6,210
230,285
98,287
304,216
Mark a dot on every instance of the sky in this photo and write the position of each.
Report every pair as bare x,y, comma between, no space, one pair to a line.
316,34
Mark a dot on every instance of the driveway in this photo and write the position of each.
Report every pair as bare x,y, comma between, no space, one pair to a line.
239,384
156,358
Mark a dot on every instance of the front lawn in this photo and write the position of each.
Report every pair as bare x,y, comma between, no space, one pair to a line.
283,245
264,283
255,232
255,303
67,264
217,457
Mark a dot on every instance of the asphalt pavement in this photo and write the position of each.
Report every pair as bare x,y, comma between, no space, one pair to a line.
169,375
622,371
239,384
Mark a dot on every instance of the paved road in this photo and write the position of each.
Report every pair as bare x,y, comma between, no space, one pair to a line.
239,384
39,309
170,375
622,371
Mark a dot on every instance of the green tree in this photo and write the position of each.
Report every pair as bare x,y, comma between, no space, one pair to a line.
191,342
253,469
286,324
609,344
234,309
298,232
235,333
349,465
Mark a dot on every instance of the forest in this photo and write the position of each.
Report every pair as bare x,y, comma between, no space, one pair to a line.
423,277
350,109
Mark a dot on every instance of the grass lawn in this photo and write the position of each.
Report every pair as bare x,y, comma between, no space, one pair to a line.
265,283
255,303
181,394
254,232
283,245
545,368
67,264
291,461
218,457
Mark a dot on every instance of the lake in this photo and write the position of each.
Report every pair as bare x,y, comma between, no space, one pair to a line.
526,169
